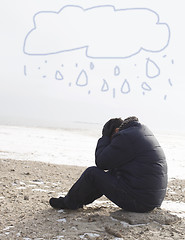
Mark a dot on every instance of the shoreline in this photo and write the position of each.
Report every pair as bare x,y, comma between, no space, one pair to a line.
75,147
26,187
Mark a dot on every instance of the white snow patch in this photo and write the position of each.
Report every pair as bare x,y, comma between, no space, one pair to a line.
21,188
58,237
61,211
62,220
63,194
91,235
8,227
176,208
36,182
40,190
22,183
31,185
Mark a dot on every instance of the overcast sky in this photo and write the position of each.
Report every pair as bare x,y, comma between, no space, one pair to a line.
85,63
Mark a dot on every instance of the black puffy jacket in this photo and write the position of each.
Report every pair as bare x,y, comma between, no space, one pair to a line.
135,157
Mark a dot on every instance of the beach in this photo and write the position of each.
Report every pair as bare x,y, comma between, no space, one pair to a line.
37,164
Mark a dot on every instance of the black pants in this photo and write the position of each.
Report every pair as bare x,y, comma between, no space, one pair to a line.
94,183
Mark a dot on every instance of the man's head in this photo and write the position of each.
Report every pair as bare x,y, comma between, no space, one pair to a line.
127,121
110,127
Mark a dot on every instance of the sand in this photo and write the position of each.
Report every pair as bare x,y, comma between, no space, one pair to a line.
26,187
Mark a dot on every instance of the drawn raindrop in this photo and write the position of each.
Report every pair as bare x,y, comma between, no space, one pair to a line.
170,82
105,86
145,86
172,61
45,61
114,92
89,92
91,65
82,79
152,70
70,84
125,88
76,65
44,76
25,72
58,75
116,71
165,96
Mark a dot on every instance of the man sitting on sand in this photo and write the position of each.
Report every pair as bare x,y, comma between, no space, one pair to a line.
131,170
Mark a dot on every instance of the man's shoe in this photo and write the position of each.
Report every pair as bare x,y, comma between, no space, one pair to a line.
57,203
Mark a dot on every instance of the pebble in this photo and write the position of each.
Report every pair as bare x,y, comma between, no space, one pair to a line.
26,197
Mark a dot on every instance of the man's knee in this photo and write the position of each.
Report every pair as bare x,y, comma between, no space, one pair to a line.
91,172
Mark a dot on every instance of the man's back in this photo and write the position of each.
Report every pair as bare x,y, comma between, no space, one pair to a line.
136,158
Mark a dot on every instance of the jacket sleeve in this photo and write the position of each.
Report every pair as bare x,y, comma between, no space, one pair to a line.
112,154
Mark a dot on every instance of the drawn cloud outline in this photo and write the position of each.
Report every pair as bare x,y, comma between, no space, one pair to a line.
86,47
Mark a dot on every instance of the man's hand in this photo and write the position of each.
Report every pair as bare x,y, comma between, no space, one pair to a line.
110,126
